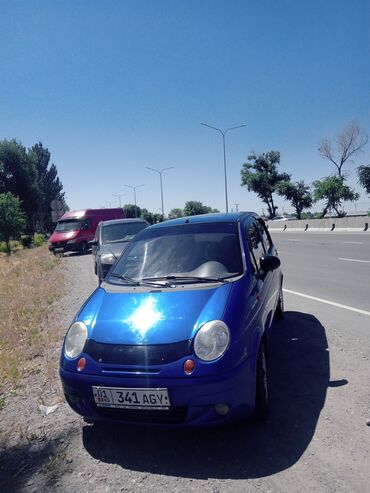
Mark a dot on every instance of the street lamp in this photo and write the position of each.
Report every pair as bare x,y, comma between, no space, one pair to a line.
119,197
160,171
134,189
223,133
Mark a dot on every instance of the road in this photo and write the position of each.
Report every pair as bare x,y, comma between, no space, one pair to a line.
332,266
316,438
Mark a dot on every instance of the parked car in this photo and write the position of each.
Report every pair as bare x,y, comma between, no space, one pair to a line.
284,218
177,332
75,229
111,239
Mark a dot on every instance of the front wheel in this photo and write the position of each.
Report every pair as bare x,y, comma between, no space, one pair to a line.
83,248
262,397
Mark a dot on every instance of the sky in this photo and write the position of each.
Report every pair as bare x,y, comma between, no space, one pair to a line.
111,87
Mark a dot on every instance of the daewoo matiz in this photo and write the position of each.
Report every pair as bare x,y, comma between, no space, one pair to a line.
176,334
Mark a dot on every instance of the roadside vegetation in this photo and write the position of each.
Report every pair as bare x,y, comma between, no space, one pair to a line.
27,289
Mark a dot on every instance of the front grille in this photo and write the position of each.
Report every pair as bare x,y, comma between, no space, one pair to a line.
141,355
174,415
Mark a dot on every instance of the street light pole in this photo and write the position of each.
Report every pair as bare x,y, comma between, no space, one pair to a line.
119,197
134,189
160,171
223,133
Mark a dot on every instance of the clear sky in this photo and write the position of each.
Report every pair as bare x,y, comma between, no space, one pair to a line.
111,87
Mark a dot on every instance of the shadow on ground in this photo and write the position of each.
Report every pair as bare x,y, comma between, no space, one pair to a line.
299,377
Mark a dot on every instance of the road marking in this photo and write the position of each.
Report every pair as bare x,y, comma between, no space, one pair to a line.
327,302
355,260
353,242
291,239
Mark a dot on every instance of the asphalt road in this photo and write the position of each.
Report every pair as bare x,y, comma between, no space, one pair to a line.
332,266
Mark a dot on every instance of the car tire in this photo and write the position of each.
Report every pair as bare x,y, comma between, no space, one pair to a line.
279,312
262,399
83,248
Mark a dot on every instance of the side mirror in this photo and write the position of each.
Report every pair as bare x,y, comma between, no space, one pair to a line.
269,263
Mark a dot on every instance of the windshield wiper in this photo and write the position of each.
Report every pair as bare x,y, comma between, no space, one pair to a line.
120,240
187,278
125,278
131,281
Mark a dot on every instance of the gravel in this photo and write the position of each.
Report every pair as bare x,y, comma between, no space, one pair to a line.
316,438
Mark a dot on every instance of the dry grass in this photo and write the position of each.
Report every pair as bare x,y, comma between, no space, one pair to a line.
28,286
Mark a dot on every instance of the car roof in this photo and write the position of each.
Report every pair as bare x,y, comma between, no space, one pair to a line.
208,218
123,221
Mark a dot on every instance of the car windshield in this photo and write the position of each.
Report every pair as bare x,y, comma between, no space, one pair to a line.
189,252
115,233
68,225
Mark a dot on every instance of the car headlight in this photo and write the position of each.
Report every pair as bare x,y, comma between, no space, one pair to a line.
75,339
107,258
211,340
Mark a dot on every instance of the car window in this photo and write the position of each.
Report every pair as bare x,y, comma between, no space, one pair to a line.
97,233
266,240
202,250
121,232
255,245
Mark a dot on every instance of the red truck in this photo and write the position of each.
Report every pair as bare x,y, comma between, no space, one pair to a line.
76,228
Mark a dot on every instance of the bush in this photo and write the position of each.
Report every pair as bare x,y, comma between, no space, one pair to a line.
26,241
3,247
38,239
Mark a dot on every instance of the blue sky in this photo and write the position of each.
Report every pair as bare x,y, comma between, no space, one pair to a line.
111,87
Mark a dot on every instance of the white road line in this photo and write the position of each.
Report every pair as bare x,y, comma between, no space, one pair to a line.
355,260
353,242
290,239
327,302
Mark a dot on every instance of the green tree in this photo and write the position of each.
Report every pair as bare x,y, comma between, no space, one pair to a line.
364,177
175,213
333,191
131,210
18,176
261,176
151,217
347,144
195,208
298,194
48,183
12,218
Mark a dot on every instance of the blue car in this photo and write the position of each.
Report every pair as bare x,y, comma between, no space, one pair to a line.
177,332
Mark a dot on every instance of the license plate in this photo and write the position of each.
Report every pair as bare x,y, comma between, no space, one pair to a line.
59,249
131,398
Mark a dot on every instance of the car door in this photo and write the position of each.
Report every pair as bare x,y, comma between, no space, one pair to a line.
263,282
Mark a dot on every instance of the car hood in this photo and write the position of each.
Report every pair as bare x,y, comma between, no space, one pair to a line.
158,317
115,248
63,236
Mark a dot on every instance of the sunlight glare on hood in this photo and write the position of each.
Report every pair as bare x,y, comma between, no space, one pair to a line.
145,317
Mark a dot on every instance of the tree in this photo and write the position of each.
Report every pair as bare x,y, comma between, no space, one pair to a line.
131,210
48,183
298,194
347,144
195,208
364,177
18,176
175,213
261,176
12,218
333,190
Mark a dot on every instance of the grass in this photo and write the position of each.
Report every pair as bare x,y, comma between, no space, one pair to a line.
27,289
